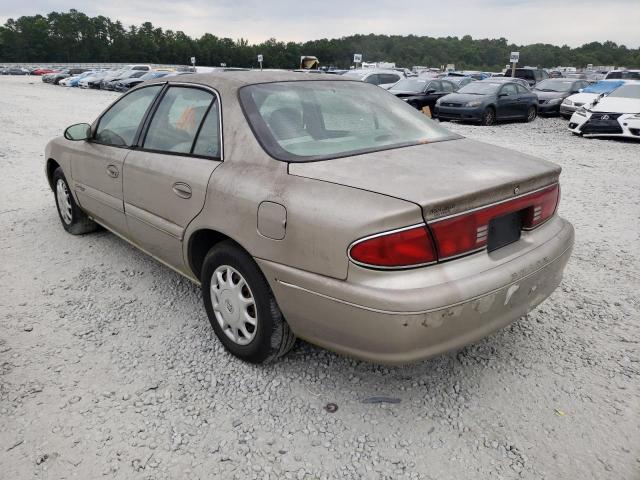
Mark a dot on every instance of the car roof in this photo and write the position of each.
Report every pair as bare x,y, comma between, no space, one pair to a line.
238,79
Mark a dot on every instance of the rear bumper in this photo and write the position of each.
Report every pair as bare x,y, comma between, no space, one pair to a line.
401,317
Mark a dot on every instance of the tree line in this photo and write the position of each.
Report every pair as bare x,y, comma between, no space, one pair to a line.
75,37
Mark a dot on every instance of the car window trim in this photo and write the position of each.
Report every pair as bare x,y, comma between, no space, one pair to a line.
147,122
94,132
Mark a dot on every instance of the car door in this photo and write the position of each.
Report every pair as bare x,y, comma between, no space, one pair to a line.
444,88
507,104
96,165
165,179
525,99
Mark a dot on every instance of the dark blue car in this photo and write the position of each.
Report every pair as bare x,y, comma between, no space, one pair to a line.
487,102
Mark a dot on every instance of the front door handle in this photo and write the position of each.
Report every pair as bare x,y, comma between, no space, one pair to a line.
182,190
113,171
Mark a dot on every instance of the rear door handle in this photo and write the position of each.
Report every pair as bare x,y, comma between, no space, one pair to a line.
113,171
182,190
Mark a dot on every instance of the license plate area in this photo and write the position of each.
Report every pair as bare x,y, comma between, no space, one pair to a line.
504,230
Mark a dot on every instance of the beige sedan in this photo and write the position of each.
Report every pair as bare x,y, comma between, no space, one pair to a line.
325,209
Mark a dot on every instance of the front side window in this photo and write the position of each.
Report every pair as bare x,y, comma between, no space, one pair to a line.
119,125
374,79
176,122
509,89
447,86
319,120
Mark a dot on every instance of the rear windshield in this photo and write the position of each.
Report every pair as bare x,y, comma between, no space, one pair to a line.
523,73
319,120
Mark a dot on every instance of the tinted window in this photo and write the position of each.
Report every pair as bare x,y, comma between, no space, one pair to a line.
614,75
437,86
374,79
447,86
208,143
118,126
509,89
521,89
177,119
317,120
389,78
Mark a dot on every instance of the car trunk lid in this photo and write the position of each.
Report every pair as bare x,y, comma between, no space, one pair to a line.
443,178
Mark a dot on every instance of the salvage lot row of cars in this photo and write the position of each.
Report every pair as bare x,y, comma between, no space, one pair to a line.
454,96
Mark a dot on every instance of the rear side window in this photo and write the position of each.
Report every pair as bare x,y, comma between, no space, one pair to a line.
208,142
374,79
119,125
388,78
177,120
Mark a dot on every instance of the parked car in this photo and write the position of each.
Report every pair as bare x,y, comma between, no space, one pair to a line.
487,102
42,71
587,95
422,92
520,81
15,71
93,81
383,78
112,82
623,75
614,115
531,75
75,80
553,91
458,80
284,212
57,77
128,83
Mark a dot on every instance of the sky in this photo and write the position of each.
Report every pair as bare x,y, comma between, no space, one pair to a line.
559,22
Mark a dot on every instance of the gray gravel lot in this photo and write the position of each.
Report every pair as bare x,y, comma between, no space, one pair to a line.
110,368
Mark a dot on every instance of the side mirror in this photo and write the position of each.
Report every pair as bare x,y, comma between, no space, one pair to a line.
77,132
580,90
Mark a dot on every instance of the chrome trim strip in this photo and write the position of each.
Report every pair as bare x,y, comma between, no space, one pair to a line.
447,217
388,232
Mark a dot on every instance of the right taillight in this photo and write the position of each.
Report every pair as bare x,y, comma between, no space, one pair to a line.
468,232
453,236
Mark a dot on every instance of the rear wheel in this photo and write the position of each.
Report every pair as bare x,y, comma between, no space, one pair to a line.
73,219
532,113
241,307
488,117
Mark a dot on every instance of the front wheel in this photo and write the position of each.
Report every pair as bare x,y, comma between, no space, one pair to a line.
241,307
488,117
532,113
73,219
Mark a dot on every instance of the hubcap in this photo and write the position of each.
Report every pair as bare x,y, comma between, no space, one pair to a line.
233,305
64,202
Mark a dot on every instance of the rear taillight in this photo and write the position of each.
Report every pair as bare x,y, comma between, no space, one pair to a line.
409,247
467,232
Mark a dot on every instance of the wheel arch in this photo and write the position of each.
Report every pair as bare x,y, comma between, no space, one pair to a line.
52,164
200,242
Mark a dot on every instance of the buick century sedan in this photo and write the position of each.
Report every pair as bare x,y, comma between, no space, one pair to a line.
324,209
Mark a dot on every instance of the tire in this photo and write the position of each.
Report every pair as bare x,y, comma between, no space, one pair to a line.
225,267
532,113
73,219
488,117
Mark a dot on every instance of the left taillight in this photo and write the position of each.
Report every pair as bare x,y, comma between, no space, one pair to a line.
409,247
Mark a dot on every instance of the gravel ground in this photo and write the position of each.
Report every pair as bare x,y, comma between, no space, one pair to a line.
109,367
